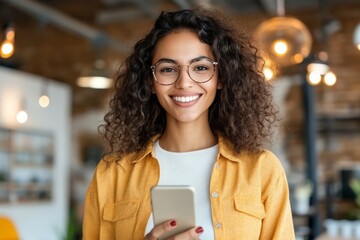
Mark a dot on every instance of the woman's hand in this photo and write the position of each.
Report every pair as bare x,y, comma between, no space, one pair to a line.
161,229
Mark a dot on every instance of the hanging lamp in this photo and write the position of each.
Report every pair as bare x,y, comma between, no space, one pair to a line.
285,40
98,77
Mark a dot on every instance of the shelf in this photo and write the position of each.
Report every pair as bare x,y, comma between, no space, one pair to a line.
32,165
26,166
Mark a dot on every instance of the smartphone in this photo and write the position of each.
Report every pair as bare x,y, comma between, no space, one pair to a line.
174,202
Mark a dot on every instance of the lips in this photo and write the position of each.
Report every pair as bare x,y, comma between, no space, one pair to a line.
185,99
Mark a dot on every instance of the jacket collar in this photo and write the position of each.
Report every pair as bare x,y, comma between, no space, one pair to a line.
149,149
225,149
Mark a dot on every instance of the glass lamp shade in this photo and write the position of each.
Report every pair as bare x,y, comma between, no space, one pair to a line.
97,78
285,40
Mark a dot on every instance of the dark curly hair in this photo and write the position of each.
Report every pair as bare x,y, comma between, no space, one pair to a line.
242,111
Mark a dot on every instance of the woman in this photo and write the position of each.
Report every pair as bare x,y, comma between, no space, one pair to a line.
191,107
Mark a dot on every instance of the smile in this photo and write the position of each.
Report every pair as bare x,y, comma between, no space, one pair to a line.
186,99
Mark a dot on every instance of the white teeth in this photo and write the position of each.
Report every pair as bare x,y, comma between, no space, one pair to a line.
186,99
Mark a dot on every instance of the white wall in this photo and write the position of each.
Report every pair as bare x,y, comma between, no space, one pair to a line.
45,221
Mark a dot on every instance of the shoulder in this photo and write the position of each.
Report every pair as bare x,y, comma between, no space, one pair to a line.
112,163
264,163
269,159
116,164
263,156
270,164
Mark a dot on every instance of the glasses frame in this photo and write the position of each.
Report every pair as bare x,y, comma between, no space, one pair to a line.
187,70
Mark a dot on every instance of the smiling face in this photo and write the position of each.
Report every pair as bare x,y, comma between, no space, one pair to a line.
184,101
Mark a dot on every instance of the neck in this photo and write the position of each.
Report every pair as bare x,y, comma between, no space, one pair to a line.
183,137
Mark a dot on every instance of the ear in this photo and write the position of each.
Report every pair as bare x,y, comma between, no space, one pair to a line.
219,85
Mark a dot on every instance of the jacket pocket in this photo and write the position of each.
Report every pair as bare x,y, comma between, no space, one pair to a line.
251,206
118,211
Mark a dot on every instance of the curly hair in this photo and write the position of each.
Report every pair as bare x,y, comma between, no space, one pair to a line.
242,111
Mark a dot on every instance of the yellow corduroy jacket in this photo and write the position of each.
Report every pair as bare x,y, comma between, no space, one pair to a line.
252,200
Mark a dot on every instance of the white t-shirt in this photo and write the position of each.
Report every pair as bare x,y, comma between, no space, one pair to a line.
189,168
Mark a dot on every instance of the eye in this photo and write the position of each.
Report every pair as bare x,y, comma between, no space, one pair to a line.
168,69
201,68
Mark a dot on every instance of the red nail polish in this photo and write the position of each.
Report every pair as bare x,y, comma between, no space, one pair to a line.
199,230
173,223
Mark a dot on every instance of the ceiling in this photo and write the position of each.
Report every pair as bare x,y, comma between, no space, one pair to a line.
60,39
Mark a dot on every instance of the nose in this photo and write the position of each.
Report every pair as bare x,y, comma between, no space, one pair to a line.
184,80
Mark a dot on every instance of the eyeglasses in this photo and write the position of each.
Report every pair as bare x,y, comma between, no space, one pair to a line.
167,72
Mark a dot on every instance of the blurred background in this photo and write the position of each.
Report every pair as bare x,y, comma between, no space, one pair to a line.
57,60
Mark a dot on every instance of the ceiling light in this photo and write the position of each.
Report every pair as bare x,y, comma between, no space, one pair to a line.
286,40
314,78
316,71
269,69
330,78
99,77
22,116
7,46
44,101
268,73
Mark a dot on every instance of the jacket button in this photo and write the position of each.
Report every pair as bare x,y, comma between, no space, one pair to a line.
218,225
215,195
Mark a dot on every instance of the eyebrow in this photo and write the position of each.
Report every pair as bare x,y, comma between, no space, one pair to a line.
169,60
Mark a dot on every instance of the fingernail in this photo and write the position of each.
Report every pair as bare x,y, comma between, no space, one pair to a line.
199,230
173,223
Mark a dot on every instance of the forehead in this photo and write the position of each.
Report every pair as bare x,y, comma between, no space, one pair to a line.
181,46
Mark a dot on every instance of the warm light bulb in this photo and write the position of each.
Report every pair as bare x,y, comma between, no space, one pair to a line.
280,47
314,78
7,49
330,78
268,73
358,47
44,101
21,116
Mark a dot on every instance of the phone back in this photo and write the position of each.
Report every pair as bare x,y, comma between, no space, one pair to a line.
174,202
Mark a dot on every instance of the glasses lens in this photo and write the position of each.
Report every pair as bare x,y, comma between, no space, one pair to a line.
166,73
201,71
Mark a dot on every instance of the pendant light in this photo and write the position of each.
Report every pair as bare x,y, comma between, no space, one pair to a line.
44,99
97,77
7,45
285,40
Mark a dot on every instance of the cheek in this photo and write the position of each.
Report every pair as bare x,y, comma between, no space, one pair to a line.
160,93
